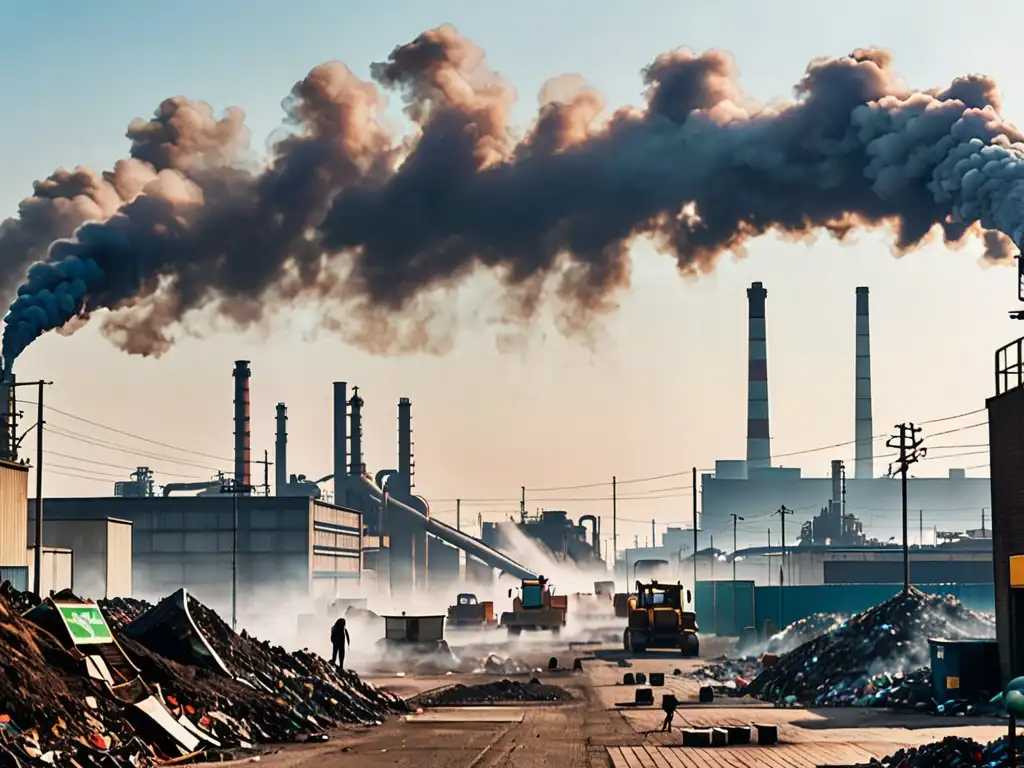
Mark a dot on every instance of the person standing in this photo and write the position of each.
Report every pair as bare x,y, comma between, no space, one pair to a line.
668,706
339,639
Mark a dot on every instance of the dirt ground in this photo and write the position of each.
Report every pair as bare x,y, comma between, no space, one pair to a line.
594,731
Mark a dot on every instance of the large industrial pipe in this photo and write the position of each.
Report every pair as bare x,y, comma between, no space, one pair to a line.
759,452
448,534
355,406
595,530
281,450
864,450
242,375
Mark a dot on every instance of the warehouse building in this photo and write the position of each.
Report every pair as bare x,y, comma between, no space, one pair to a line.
283,547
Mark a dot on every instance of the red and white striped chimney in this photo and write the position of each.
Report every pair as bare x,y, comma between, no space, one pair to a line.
759,451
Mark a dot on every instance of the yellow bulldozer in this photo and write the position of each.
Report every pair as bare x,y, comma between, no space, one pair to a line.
657,619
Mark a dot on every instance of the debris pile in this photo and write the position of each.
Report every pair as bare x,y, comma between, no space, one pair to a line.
951,752
803,631
866,660
727,675
122,699
489,693
122,611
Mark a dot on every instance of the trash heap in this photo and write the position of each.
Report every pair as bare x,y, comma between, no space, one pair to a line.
951,752
55,710
727,675
489,693
872,659
803,631
122,611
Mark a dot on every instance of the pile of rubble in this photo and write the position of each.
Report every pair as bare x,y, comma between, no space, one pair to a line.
490,693
803,631
165,684
727,675
951,752
873,658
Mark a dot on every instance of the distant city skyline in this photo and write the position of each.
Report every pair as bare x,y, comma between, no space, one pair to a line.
660,389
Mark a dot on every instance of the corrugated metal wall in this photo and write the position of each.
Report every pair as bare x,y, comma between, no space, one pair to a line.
1006,455
13,514
57,570
17,575
119,558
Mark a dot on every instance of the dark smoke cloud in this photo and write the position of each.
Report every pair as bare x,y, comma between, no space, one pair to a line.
377,227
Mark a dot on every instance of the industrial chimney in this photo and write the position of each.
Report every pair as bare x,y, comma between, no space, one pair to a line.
405,462
864,453
9,408
281,450
759,452
242,375
356,453
340,440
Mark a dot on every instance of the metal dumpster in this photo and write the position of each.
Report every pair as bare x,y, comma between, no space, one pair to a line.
965,668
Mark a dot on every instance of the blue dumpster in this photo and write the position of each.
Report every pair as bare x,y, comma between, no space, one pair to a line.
965,668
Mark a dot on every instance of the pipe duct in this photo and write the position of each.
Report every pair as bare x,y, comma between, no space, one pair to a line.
405,460
759,452
863,428
242,374
355,406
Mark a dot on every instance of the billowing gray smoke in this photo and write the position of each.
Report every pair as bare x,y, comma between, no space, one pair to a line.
371,225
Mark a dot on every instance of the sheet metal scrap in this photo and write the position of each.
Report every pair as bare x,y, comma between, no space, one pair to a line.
874,659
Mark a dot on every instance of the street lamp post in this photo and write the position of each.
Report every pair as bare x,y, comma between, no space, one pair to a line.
735,520
234,488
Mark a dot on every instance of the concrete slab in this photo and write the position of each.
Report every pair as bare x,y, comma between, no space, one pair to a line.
468,715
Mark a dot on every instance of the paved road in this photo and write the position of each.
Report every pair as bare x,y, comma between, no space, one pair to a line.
591,731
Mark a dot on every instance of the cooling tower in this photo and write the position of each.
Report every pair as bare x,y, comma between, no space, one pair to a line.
242,375
759,452
864,464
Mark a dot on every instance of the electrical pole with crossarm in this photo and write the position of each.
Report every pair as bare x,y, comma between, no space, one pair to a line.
909,446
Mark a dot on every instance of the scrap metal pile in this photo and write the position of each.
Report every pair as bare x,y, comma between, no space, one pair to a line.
873,659
951,752
803,631
158,683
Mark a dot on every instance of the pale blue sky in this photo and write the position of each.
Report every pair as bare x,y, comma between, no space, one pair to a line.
664,390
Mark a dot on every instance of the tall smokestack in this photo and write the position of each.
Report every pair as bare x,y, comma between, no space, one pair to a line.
356,447
281,450
405,463
9,424
242,375
340,440
864,466
837,481
759,451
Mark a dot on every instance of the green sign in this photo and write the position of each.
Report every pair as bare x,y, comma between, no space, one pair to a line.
85,623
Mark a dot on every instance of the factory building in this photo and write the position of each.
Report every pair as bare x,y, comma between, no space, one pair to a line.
286,548
753,488
553,528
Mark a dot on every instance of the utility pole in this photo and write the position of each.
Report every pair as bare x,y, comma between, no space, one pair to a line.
522,504
266,472
983,522
235,488
37,560
909,446
735,520
769,538
458,514
654,535
615,533
782,577
920,526
695,531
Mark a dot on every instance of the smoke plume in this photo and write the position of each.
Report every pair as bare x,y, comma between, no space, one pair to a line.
373,226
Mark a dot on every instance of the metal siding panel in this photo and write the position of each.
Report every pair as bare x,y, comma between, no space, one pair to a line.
119,559
17,575
13,515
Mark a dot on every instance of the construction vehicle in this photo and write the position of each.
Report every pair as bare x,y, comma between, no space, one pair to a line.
470,612
604,588
535,608
657,619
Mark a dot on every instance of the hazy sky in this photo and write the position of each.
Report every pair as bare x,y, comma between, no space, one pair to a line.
662,390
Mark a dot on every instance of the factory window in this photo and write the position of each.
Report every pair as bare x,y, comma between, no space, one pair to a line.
168,521
141,542
263,518
201,541
225,541
262,541
168,542
139,520
294,541
199,520
226,520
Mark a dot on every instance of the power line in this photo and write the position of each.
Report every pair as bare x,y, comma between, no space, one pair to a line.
99,443
127,434
116,466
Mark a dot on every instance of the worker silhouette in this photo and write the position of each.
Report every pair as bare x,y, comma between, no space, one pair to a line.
339,639
668,704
